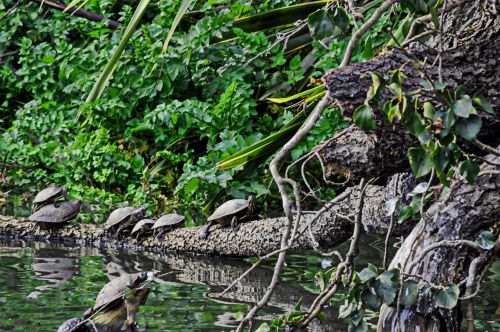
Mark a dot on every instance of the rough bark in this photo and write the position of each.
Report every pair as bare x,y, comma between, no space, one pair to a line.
471,60
253,238
463,214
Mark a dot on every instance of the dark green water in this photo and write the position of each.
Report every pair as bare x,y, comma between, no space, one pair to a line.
43,284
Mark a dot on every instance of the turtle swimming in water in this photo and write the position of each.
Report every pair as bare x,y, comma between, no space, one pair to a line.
114,292
49,195
229,213
168,222
52,215
142,227
122,218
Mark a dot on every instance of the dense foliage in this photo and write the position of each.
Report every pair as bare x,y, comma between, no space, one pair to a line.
164,121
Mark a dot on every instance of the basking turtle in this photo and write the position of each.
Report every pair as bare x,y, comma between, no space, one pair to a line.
54,215
229,213
168,222
49,195
76,324
121,218
143,226
114,292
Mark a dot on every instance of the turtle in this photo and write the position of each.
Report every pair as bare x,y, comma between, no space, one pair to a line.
229,213
124,217
143,226
167,222
51,214
76,324
49,195
114,292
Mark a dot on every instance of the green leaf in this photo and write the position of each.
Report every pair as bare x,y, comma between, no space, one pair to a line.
413,122
378,86
440,158
108,70
264,327
346,309
429,111
341,19
385,287
470,169
463,107
177,19
420,161
486,240
481,101
368,50
468,128
405,213
368,273
370,299
299,304
314,90
409,292
357,317
321,24
363,118
361,327
435,19
447,297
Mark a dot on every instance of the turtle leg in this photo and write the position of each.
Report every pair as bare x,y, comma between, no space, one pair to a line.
159,237
234,223
205,230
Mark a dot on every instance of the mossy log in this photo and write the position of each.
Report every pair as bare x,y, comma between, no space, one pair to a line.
253,238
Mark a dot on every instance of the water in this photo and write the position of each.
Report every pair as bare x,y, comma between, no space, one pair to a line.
44,284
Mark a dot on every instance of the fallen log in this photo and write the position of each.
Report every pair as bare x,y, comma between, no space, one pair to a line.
253,238
465,212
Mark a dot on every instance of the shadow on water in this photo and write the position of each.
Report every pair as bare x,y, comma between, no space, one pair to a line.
44,284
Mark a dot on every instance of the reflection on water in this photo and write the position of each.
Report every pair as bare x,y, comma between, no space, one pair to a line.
42,285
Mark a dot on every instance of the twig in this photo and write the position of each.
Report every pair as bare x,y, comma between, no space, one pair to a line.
362,30
485,147
442,244
79,12
391,226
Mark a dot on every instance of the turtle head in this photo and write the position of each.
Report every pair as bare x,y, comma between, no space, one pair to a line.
140,212
252,204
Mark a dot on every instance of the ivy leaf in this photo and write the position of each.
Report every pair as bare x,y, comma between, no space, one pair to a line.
481,101
341,19
429,111
405,213
486,240
385,287
321,24
468,128
413,121
463,107
346,309
264,327
357,316
471,169
420,161
370,299
361,327
409,292
368,273
440,158
363,118
447,297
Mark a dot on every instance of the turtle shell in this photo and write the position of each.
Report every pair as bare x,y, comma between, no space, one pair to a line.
64,211
171,220
70,325
48,194
115,289
229,208
142,223
118,215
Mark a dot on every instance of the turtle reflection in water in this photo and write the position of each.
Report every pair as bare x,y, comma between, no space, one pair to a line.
230,213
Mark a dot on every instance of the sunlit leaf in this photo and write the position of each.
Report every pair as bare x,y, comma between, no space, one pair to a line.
363,118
